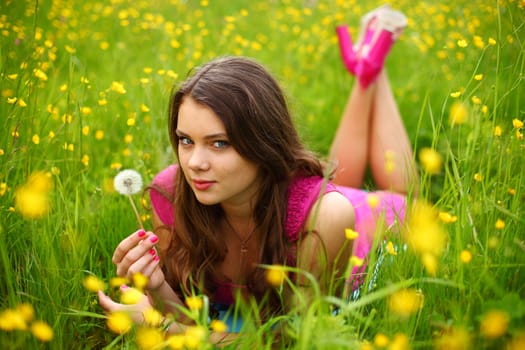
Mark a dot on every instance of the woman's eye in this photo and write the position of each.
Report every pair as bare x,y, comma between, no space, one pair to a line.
184,141
220,144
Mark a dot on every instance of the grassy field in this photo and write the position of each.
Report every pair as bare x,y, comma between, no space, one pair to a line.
84,89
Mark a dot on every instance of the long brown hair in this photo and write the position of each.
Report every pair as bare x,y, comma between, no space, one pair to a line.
254,111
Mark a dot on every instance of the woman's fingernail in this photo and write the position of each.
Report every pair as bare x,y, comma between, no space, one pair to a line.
156,258
124,286
151,251
154,239
141,233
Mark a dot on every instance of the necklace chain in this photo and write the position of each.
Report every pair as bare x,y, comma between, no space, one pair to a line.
244,246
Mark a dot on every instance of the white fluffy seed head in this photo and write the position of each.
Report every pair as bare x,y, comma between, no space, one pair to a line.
128,182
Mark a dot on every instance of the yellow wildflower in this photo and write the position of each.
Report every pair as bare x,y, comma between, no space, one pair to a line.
457,338
497,131
194,302
517,124
500,224
93,283
27,311
478,177
492,41
130,296
455,94
356,261
431,161
118,87
11,320
176,341
194,336
42,331
144,108
275,275
390,248
152,317
149,338
465,256
99,134
494,324
478,77
458,113
399,342
351,234
3,188
32,199
118,281
85,160
447,217
372,200
381,340
218,326
430,263
405,302
139,281
462,43
40,74
517,342
119,322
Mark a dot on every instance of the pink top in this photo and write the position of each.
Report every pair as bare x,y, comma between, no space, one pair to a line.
302,195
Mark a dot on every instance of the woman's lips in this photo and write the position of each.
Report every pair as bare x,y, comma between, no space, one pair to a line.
202,185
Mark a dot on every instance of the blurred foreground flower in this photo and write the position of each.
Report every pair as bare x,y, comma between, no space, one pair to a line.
149,338
494,324
93,284
275,275
119,322
430,160
32,198
458,113
42,331
425,235
194,302
128,182
457,338
405,302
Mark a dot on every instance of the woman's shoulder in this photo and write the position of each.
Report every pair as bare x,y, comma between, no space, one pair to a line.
303,193
165,178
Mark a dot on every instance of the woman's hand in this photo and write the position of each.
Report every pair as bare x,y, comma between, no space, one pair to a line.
136,311
137,254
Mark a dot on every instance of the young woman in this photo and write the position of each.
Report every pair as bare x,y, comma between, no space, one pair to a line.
245,191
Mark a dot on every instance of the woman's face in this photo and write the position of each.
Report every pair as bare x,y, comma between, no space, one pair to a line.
213,168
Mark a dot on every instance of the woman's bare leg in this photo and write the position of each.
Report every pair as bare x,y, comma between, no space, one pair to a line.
349,150
390,152
371,133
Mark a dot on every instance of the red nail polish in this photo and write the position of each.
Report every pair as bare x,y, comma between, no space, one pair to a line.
153,239
156,258
141,233
151,251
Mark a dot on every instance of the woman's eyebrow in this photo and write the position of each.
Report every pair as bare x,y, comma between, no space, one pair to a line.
207,137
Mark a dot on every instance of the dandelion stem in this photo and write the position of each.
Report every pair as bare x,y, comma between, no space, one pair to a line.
135,211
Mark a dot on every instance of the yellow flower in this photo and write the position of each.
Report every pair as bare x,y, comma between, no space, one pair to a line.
356,261
275,275
381,340
35,139
144,108
462,43
478,177
85,160
351,234
458,113
42,331
149,338
372,200
497,131
119,322
455,94
3,188
193,337
130,296
32,198
390,248
511,191
26,311
93,284
517,124
500,224
457,338
152,317
118,281
492,41
21,103
494,324
517,342
218,326
447,217
430,263
431,161
11,320
118,87
478,77
131,122
194,302
400,342
465,256
139,281
99,134
176,341
40,74
405,302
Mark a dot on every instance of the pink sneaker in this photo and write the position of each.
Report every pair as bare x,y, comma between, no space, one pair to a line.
380,28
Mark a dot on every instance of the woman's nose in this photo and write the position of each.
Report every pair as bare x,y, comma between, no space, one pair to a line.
199,159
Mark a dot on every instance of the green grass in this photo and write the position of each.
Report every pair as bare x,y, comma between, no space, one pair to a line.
84,47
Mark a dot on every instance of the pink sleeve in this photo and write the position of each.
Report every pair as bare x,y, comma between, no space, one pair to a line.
161,194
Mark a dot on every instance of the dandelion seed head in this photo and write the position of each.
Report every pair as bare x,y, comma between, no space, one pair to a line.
128,182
